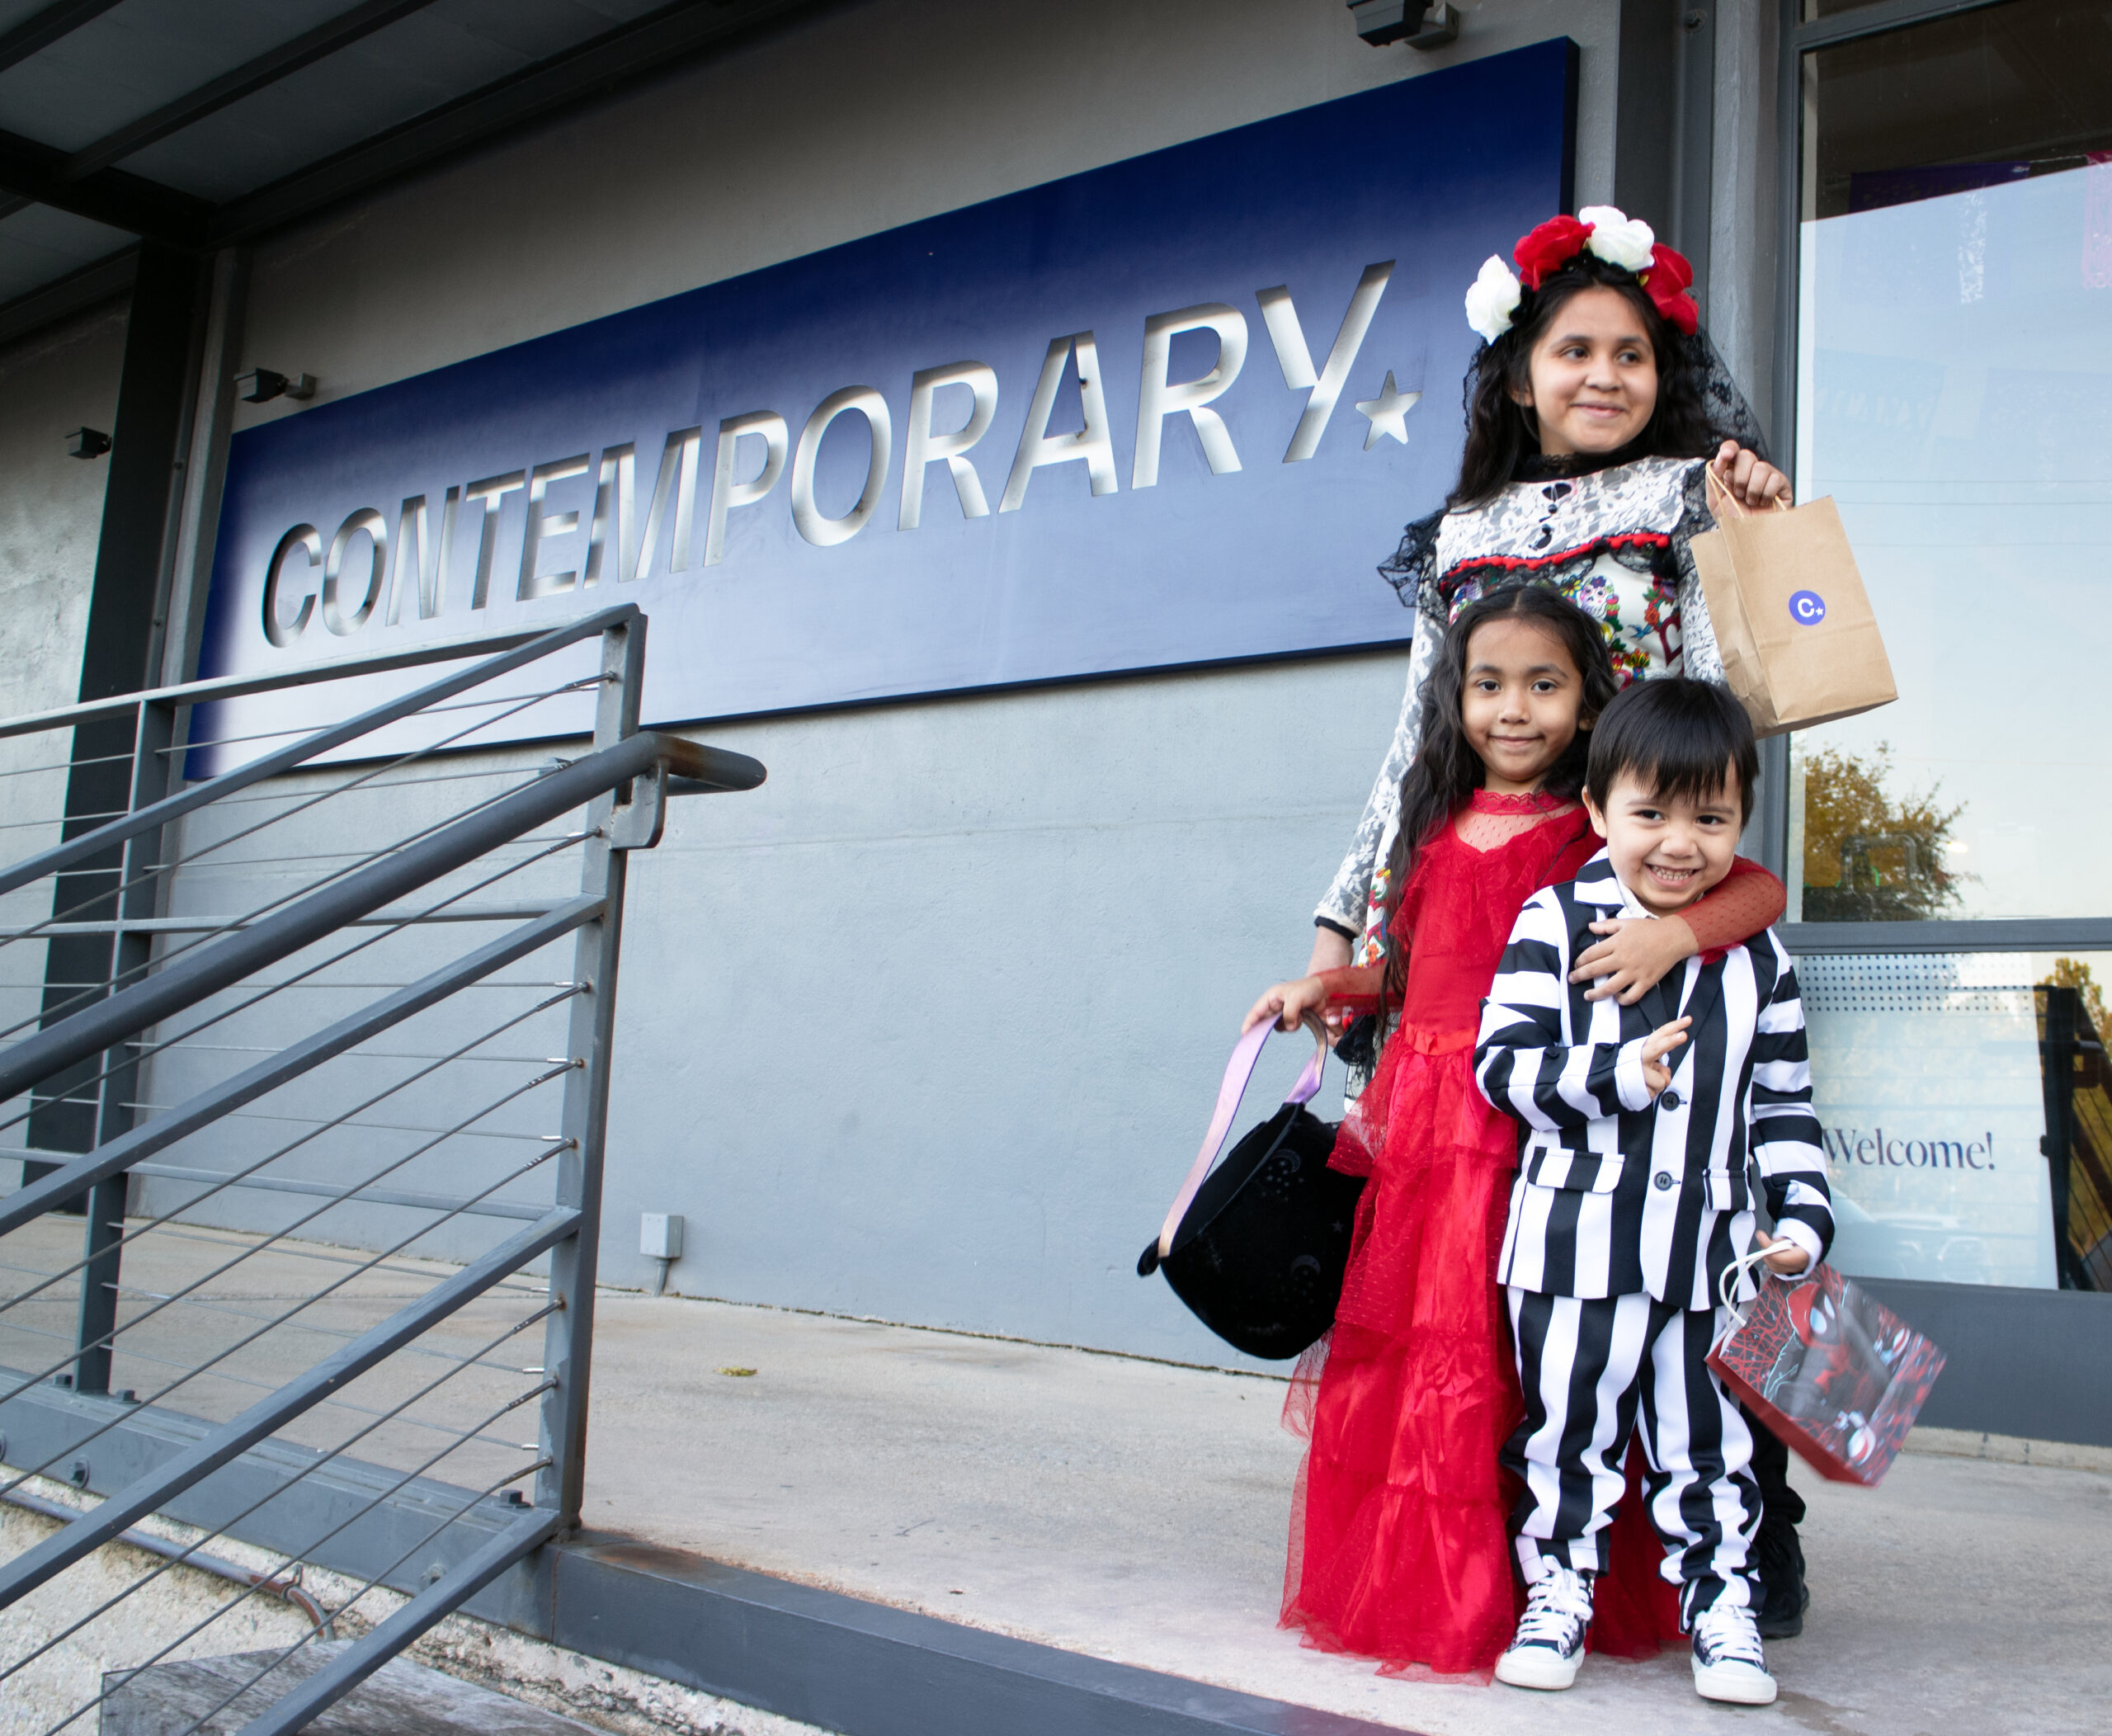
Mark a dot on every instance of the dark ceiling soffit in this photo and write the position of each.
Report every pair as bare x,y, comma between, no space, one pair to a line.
105,281
40,29
656,44
650,45
36,173
310,47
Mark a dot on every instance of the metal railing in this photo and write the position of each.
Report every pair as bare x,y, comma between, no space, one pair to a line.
305,1055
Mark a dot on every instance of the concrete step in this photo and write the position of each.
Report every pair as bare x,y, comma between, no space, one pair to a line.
400,1699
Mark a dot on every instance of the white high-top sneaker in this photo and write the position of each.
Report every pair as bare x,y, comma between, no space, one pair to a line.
1550,1644
1729,1662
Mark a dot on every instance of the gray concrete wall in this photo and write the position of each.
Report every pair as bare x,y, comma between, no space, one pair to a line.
874,116
928,1028
50,514
51,503
1742,239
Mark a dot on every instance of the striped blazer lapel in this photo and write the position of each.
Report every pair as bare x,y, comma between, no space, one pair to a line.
1660,1004
1700,1003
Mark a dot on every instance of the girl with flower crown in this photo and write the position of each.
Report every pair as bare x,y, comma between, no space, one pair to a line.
1594,407
1597,491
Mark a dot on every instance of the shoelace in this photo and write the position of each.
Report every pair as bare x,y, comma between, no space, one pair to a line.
1557,1608
1729,1636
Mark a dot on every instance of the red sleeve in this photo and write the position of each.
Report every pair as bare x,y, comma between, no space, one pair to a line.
1747,900
1355,988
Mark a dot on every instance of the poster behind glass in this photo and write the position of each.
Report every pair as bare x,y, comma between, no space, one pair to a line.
1925,1075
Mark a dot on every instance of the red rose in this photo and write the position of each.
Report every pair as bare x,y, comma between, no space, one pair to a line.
1666,284
1549,248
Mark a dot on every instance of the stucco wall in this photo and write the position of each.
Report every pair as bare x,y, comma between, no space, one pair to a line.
51,503
871,117
926,1028
50,514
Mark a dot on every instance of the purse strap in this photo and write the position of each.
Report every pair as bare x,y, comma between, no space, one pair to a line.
1238,1071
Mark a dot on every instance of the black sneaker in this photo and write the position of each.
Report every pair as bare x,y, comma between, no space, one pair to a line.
1779,1561
1550,1639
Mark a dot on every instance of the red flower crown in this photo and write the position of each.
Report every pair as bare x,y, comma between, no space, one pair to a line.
1609,234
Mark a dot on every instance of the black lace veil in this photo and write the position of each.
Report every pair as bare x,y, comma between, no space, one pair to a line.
1730,414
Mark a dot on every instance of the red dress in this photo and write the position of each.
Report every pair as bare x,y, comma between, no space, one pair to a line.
1399,1549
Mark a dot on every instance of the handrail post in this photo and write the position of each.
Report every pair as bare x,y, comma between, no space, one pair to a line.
567,1344
143,896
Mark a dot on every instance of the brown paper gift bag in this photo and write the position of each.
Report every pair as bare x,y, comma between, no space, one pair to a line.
1800,640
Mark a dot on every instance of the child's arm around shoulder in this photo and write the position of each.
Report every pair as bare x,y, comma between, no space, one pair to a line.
1783,1129
1634,953
1526,1063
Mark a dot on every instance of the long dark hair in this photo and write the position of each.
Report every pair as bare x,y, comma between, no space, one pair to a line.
1499,433
1447,770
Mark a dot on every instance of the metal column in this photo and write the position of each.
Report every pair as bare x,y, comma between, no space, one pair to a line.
142,897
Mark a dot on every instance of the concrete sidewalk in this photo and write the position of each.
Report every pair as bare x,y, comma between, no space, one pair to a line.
1136,1512
1125,1509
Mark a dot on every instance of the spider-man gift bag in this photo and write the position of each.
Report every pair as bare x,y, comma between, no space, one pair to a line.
1831,1370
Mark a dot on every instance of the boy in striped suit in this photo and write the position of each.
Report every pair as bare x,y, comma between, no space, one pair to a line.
1642,1124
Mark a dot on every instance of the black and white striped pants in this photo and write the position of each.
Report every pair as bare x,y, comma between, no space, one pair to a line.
1591,1369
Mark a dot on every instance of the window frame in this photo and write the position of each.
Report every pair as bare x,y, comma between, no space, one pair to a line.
1795,39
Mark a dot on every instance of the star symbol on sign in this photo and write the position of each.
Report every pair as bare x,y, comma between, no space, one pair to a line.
1388,413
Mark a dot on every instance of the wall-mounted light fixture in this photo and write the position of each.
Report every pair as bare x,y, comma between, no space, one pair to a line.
87,443
260,385
1383,21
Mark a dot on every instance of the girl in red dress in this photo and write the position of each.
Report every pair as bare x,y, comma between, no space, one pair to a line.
1398,1547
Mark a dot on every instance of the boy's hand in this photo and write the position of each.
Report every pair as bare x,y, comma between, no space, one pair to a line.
1289,1004
1753,481
1784,1256
1637,951
1659,1044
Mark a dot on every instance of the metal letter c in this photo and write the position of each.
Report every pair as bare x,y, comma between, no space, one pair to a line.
303,536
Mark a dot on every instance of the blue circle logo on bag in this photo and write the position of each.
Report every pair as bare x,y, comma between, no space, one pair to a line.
1806,608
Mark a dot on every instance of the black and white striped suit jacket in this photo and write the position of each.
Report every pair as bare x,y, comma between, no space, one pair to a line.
1616,1194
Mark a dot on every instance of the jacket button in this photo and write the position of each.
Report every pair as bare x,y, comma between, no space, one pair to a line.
1661,1181
1668,1100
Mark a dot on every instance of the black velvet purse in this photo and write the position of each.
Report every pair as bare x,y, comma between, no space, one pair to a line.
1256,1247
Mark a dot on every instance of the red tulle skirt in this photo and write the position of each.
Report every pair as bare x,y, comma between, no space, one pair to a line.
1399,1549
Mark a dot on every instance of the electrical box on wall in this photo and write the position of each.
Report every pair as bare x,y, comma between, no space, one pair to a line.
660,1235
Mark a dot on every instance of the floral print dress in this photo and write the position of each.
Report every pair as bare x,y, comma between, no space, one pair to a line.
1615,540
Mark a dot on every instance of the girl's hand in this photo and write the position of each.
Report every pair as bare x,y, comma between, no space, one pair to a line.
1637,951
1753,481
1659,1044
1289,1004
1784,1256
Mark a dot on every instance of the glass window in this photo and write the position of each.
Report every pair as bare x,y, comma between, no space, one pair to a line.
1954,396
1968,1115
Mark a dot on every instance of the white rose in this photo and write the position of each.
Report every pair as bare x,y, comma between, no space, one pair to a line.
1617,237
1492,300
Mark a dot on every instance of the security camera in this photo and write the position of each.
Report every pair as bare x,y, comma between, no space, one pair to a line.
260,385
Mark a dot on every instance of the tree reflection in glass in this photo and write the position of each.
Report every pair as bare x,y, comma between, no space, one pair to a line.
1871,856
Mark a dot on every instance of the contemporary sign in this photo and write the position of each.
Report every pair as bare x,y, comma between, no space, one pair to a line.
1930,1096
1168,412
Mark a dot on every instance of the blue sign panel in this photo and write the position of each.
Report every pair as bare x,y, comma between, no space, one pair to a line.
1168,412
